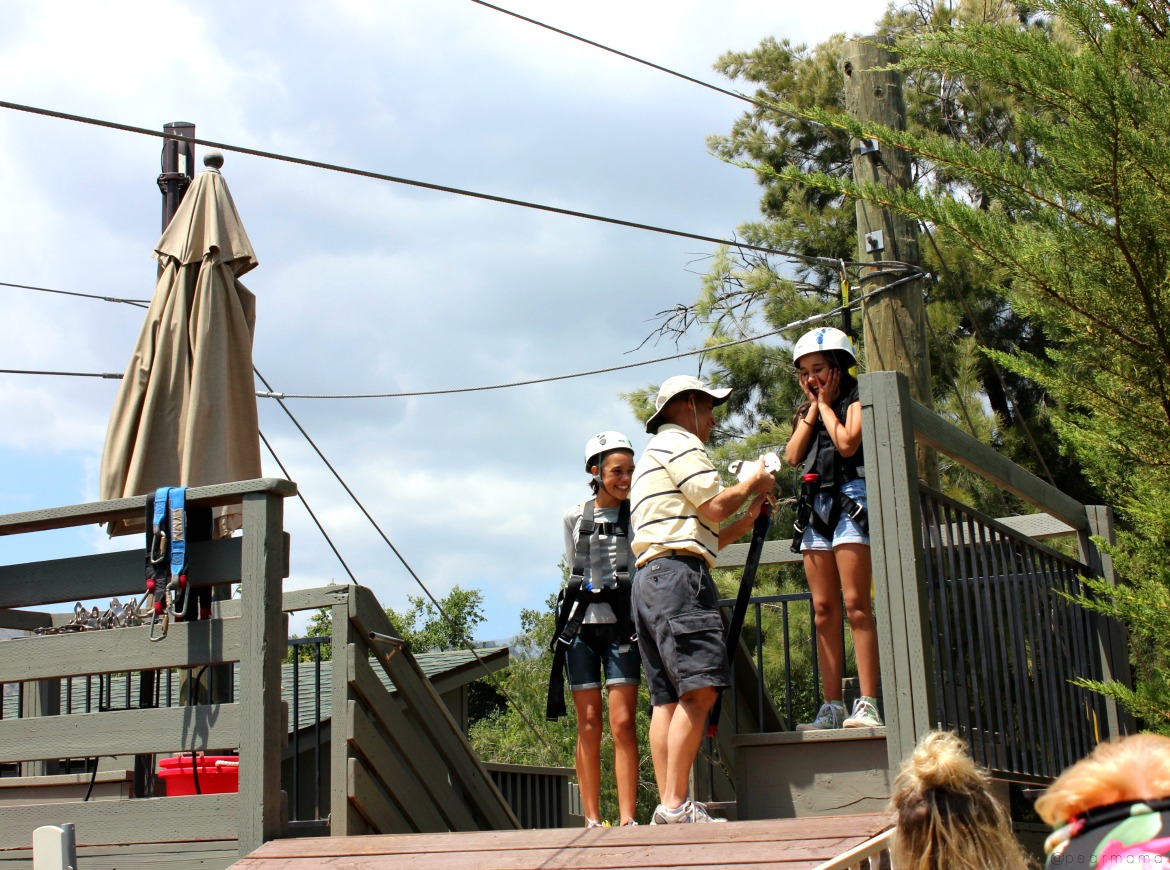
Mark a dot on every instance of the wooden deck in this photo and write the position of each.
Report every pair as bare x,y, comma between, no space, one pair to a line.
784,844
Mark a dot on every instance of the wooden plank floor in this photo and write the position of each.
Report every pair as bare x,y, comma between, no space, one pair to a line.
777,844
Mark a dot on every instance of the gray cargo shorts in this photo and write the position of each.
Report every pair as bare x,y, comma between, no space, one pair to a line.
680,634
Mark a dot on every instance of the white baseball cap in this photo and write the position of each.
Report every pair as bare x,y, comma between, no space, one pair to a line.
673,387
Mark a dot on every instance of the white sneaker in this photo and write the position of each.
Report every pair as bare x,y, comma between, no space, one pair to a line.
830,716
865,715
690,812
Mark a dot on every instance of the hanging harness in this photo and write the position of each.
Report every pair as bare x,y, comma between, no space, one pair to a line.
840,503
166,556
574,600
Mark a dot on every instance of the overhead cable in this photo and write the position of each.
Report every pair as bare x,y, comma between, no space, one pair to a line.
736,94
426,185
140,303
313,516
648,63
402,559
271,394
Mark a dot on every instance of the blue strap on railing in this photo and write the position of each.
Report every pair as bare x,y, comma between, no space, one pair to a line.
177,510
157,523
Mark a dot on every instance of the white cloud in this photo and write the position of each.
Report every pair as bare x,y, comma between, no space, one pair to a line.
369,286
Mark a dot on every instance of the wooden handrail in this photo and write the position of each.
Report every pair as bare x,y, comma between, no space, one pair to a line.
133,507
872,848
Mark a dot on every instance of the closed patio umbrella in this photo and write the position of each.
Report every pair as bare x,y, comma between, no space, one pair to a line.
186,410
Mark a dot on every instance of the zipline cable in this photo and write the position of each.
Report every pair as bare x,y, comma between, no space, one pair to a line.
305,502
402,559
140,303
426,185
635,59
279,396
769,107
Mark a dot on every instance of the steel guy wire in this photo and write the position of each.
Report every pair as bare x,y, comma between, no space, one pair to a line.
305,502
418,580
140,303
426,185
271,394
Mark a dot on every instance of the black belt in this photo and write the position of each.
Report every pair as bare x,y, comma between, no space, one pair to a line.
695,562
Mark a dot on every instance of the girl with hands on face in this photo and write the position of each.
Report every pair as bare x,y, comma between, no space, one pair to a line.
826,440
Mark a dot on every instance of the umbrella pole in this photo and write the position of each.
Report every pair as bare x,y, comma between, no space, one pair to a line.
178,168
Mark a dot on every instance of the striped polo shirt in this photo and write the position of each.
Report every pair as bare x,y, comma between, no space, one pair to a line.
672,478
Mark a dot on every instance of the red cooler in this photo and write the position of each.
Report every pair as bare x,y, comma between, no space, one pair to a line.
217,774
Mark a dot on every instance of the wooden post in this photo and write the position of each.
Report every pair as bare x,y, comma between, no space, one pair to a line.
262,646
894,322
1112,644
344,820
901,607
41,698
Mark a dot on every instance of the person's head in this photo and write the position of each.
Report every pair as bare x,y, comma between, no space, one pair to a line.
609,459
1134,768
687,402
946,814
818,352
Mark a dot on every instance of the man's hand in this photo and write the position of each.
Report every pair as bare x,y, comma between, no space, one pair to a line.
760,475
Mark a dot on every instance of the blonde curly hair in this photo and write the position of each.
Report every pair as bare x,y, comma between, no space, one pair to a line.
946,815
1134,768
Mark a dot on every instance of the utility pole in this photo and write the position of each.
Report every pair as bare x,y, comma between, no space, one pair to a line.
893,322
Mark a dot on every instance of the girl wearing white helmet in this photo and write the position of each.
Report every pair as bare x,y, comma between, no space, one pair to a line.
595,633
826,440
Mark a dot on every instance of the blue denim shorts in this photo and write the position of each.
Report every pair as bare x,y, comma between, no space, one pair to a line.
597,651
680,631
847,530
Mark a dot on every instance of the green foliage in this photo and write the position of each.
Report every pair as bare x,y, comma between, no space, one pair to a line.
1069,216
451,625
520,734
1143,606
787,669
792,144
320,625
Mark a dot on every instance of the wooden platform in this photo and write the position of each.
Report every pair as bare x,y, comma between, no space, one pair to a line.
785,844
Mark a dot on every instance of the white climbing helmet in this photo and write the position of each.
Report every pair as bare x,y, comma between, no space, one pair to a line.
822,340
603,442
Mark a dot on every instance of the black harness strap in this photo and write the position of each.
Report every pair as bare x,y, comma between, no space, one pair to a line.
841,503
574,600
742,599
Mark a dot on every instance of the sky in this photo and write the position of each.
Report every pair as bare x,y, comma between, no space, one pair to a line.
366,286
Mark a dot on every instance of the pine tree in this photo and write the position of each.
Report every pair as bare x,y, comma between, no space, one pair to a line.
1072,222
783,140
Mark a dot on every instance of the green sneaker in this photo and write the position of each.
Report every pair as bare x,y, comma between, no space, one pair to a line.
865,715
830,716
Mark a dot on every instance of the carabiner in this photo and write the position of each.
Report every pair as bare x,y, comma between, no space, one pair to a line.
166,621
159,541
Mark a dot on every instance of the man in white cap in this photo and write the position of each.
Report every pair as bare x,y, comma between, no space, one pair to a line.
678,504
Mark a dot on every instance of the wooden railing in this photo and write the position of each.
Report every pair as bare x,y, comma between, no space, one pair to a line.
397,763
976,633
873,854
255,637
923,558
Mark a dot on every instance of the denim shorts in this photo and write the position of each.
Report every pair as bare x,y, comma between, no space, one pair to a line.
680,633
597,650
847,530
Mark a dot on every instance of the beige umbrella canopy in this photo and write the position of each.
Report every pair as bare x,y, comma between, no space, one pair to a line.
186,411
